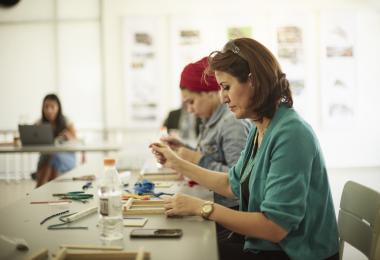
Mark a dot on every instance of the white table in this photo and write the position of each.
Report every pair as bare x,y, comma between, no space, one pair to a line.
7,150
69,147
22,219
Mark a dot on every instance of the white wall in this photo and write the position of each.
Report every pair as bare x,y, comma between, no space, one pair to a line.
50,46
75,48
27,71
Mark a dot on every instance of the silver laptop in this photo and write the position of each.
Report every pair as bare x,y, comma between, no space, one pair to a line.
36,134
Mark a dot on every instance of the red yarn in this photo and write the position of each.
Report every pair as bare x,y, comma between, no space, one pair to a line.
192,183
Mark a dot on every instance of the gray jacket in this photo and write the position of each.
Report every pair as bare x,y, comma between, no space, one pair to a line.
221,140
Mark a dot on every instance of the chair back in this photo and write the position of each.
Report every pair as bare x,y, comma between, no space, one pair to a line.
359,219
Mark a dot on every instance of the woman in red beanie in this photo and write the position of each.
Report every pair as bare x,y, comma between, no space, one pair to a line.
222,136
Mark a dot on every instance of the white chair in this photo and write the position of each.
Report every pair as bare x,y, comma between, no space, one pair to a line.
359,219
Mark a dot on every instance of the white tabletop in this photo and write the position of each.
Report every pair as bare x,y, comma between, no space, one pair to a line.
22,220
69,147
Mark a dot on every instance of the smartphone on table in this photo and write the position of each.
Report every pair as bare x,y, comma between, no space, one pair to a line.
156,233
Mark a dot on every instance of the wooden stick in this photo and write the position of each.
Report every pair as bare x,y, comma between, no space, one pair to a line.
140,254
112,255
92,247
143,207
61,255
148,211
162,177
148,203
129,203
50,202
42,254
159,173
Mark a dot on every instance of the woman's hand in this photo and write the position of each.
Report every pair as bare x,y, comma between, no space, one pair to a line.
189,155
182,205
67,135
164,155
173,142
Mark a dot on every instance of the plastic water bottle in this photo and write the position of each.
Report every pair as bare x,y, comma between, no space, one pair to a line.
110,206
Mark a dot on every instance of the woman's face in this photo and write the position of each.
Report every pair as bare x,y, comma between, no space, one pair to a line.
236,95
198,103
50,110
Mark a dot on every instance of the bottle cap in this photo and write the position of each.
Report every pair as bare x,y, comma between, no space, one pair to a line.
109,162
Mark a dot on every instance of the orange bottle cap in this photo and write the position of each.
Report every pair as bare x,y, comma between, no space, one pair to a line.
109,162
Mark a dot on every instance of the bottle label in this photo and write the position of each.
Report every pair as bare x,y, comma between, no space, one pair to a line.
110,206
103,207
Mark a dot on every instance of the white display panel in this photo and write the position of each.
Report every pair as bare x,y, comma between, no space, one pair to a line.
79,73
144,70
291,34
338,69
27,72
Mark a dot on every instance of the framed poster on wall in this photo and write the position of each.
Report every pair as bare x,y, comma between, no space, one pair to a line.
291,31
144,70
190,40
338,73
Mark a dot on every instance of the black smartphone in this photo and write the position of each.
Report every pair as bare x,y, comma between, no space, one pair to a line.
156,233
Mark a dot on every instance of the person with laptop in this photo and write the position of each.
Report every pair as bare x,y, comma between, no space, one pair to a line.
51,165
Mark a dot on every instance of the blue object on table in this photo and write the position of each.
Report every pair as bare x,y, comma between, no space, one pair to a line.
144,186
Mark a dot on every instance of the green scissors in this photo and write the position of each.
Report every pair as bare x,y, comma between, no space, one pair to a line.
75,195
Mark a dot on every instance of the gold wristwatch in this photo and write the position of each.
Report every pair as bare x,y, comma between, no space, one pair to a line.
207,209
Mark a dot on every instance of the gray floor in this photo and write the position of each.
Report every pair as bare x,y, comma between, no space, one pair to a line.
15,190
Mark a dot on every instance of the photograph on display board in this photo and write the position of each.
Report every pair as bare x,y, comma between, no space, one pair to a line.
289,31
297,86
338,70
190,37
239,32
143,38
290,52
339,42
143,105
142,72
341,92
289,40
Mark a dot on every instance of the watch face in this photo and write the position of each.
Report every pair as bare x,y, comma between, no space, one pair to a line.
207,208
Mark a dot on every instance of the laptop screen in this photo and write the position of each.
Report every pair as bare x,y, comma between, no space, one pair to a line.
36,134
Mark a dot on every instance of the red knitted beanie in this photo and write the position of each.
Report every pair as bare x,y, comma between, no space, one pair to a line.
192,77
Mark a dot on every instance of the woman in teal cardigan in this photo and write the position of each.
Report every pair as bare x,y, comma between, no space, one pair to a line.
286,210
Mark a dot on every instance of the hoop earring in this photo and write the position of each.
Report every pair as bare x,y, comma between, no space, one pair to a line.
250,79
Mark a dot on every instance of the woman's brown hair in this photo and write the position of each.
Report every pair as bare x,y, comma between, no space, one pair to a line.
60,121
247,59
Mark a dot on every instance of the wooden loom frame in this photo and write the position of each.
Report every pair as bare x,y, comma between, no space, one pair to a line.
163,174
143,207
161,177
63,254
78,252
